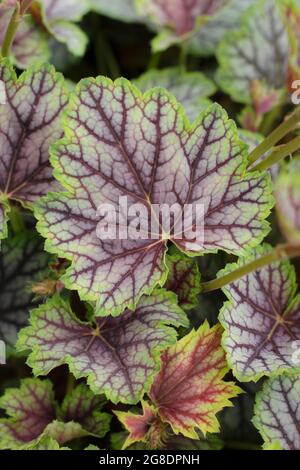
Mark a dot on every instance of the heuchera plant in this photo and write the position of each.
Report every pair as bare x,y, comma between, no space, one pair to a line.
118,329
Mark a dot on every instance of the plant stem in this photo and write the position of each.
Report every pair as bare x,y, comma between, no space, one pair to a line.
281,131
16,220
279,253
279,154
11,31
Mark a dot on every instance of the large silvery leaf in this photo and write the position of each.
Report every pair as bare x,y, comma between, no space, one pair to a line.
119,356
190,89
287,195
120,145
183,279
59,18
30,42
22,262
261,319
277,412
29,125
205,41
123,10
257,54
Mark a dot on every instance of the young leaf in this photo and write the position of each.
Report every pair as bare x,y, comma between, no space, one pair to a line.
45,443
261,319
191,89
29,125
258,52
183,279
121,144
287,196
189,391
123,10
137,425
30,44
277,412
22,261
119,356
59,16
83,407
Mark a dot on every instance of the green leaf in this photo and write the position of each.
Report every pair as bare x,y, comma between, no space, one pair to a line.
287,196
123,10
183,279
30,122
22,262
191,89
118,356
261,319
256,54
277,413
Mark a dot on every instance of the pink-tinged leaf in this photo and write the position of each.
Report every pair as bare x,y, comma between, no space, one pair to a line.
277,413
30,44
261,319
287,196
137,425
120,143
183,279
189,390
179,15
83,407
257,52
32,416
22,261
30,409
29,125
119,356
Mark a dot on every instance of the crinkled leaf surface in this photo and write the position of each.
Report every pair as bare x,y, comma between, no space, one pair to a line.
190,89
30,42
205,41
120,143
29,125
179,15
123,10
287,195
83,407
259,51
22,262
277,412
189,390
119,356
45,443
261,319
183,279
